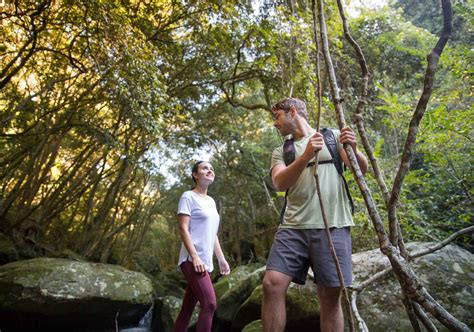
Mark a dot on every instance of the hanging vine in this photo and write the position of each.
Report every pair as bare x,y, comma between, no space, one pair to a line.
409,282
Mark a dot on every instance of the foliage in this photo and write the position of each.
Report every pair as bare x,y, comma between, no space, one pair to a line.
441,164
105,105
425,14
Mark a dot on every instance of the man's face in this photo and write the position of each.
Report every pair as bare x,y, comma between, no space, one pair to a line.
283,122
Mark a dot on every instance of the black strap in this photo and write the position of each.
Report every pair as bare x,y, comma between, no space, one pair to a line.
331,143
283,208
348,194
289,151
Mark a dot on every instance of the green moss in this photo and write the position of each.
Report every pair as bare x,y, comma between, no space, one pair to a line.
255,326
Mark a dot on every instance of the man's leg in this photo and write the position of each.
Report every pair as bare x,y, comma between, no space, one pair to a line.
327,279
331,316
275,285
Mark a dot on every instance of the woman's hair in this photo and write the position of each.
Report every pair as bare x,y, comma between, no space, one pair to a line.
285,105
195,168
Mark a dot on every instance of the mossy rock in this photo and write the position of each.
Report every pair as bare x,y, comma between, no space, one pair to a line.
302,308
255,326
231,300
239,273
447,274
72,293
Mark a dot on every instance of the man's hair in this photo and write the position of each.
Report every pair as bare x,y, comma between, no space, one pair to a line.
195,169
285,105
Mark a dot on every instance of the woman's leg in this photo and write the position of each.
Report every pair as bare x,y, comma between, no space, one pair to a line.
201,286
204,291
187,308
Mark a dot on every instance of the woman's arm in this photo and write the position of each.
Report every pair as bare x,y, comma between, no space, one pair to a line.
224,268
183,221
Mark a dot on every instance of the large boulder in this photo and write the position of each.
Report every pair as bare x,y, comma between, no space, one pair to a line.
60,294
229,302
302,309
166,311
237,275
169,283
447,274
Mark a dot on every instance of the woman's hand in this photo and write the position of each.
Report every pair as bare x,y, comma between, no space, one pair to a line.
199,266
224,267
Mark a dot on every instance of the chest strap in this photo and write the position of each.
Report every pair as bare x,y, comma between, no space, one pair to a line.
321,162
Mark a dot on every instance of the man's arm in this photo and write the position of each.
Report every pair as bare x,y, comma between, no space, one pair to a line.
284,177
349,137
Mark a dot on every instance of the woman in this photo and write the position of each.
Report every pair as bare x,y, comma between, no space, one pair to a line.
198,224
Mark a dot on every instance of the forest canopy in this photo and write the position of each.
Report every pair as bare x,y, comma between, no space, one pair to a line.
105,105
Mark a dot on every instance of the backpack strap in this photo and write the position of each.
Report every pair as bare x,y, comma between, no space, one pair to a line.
289,151
331,143
283,208
288,158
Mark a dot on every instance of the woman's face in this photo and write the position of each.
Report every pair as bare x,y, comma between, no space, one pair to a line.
205,174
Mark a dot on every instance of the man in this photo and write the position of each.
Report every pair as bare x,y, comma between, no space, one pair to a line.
301,241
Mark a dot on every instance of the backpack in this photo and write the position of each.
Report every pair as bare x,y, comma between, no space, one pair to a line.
331,144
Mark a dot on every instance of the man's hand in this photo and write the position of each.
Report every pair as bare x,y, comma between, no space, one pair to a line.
349,137
315,143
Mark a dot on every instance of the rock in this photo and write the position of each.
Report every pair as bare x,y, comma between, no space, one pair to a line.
302,308
238,274
447,274
249,311
8,251
228,303
166,311
169,283
54,293
255,326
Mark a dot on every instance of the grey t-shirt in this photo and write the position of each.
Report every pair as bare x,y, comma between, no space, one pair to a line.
303,210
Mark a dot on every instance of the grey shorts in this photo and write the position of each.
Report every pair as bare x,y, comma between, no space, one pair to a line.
295,250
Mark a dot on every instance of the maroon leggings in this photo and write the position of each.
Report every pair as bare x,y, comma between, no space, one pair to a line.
199,289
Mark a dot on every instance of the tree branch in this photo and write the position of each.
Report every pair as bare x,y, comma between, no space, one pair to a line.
409,147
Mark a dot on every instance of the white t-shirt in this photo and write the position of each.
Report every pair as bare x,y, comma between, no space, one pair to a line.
203,226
